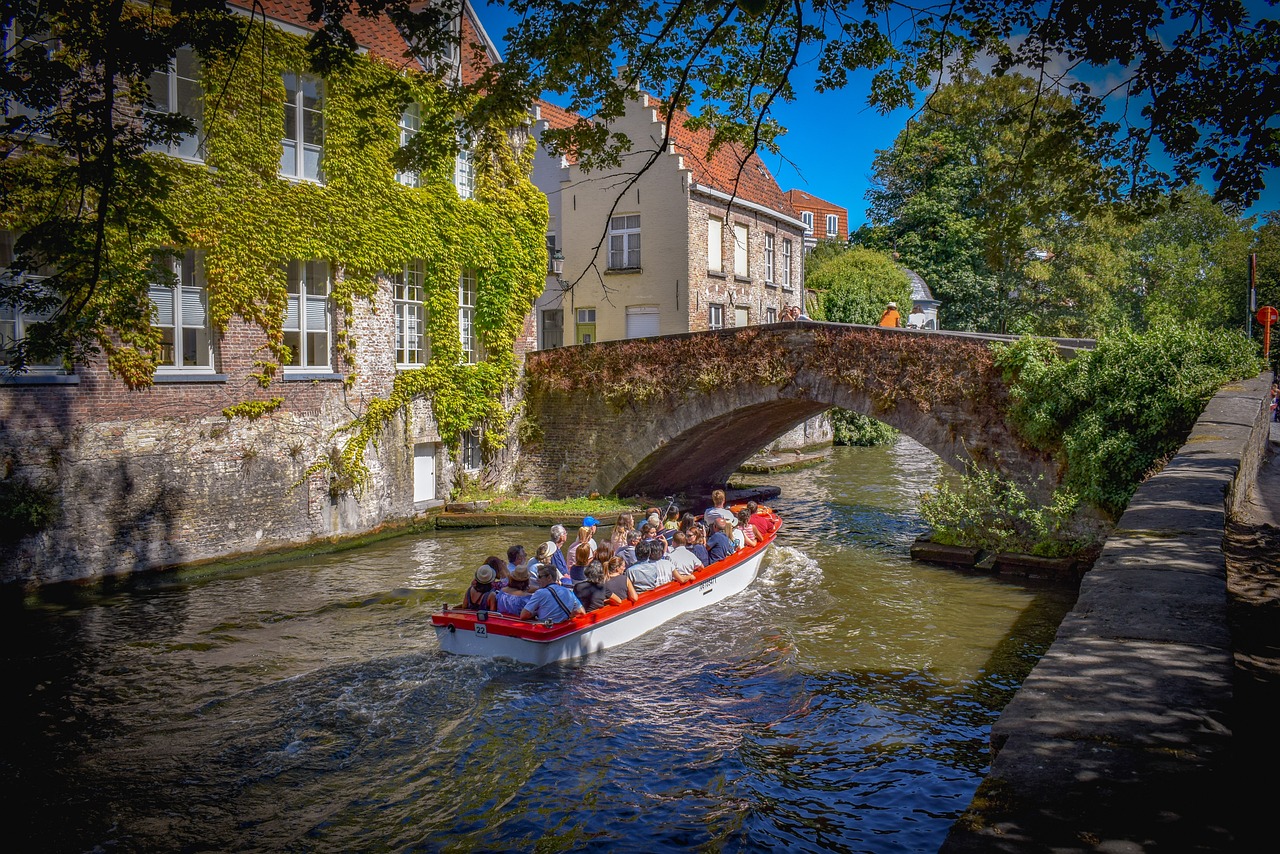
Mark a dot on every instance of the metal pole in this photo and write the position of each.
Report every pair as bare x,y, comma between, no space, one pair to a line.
1253,291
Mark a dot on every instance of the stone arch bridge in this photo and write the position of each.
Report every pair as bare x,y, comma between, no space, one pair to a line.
680,413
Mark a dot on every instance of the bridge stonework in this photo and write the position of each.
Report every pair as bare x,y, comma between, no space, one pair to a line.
662,416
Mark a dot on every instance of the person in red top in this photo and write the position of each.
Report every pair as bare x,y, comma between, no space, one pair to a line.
766,523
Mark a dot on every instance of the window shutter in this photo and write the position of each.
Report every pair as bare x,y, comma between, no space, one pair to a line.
162,299
193,313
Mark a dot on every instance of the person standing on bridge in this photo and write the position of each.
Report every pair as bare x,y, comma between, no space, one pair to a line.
891,318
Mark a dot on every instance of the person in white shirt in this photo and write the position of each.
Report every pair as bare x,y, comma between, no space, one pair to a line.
685,561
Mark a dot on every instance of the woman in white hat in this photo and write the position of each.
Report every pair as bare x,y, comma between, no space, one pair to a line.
480,595
891,317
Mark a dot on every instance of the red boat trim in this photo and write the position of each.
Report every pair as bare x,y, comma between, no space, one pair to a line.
507,626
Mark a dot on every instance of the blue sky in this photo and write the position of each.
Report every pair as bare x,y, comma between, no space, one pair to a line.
832,137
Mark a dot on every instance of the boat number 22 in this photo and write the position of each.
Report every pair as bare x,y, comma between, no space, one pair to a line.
482,630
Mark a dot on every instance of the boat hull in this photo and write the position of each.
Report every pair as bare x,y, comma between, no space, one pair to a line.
496,636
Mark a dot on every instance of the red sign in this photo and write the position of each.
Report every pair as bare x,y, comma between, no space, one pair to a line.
1267,315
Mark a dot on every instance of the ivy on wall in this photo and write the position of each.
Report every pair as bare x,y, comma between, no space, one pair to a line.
248,223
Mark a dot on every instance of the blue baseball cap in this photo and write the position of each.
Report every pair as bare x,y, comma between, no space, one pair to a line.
589,521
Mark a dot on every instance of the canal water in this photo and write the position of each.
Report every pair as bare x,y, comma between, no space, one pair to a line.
842,703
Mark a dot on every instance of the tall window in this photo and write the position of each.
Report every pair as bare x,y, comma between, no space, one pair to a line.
624,242
715,316
741,316
181,312
450,51
303,127
306,318
410,124
177,90
833,225
584,330
412,347
768,258
464,171
771,315
20,47
715,244
807,218
740,249
786,262
552,328
467,317
15,320
469,454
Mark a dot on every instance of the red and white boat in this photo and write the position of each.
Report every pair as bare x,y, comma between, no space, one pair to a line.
499,636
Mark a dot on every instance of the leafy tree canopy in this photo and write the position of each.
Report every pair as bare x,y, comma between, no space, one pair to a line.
855,286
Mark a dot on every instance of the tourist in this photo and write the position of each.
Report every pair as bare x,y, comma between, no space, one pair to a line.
764,520
581,557
618,536
628,552
516,557
591,524
543,557
584,539
720,544
603,554
681,557
591,591
697,537
891,318
666,568
559,536
672,522
512,598
646,573
480,596
617,582
500,570
717,508
551,602
750,535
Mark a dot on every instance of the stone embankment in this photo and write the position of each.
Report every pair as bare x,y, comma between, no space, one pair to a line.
1120,739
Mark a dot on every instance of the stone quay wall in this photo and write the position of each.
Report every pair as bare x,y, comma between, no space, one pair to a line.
1118,740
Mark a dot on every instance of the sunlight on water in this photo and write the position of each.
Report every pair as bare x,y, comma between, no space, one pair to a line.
842,702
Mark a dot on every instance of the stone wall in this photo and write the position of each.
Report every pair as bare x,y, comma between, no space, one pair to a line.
1118,739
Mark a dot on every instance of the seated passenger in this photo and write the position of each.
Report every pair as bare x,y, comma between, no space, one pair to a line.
516,557
672,522
685,561
512,598
617,582
717,508
618,536
697,536
479,596
765,522
750,536
591,591
541,559
628,552
648,572
581,557
551,602
500,570
720,544
584,538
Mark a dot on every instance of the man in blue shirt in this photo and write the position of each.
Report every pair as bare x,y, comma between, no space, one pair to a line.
551,601
559,536
720,544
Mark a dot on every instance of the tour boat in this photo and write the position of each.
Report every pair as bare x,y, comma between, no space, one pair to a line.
495,635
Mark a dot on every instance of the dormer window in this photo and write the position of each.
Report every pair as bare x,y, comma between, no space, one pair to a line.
176,89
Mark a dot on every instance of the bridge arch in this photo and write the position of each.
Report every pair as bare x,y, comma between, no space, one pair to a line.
658,416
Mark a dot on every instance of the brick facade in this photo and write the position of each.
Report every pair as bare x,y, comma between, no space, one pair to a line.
820,209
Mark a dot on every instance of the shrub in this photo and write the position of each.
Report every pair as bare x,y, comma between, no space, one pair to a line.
857,430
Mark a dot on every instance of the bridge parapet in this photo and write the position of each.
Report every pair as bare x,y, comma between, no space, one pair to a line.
655,416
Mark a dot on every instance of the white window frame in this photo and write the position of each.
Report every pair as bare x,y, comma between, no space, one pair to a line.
769,262
807,218
770,315
413,347
450,59
311,315
468,289
584,317
743,314
191,147
297,169
833,225
410,124
624,242
12,42
469,450
786,262
464,170
187,301
741,250
715,244
14,320
715,315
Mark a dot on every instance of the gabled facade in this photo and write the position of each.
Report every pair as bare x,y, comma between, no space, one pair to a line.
823,220
324,363
697,242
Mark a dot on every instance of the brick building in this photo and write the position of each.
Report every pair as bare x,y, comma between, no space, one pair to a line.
696,242
823,220
163,475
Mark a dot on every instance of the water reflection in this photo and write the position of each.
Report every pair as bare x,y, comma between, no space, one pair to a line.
841,703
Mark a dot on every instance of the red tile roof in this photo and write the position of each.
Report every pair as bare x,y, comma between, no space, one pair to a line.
731,171
801,197
377,34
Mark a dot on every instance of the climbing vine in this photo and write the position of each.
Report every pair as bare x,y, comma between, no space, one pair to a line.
248,223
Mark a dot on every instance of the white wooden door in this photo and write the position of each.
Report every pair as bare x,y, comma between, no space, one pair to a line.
424,472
